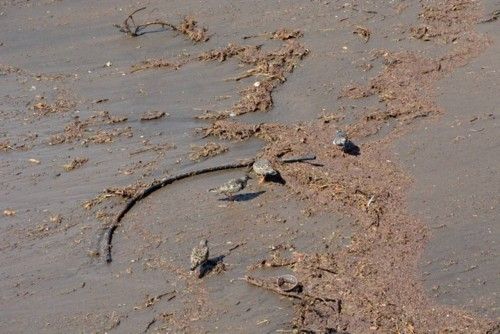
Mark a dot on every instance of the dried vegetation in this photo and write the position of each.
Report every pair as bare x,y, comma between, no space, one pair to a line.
206,151
188,27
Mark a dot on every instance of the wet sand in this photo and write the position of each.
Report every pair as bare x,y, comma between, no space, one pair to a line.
454,162
52,280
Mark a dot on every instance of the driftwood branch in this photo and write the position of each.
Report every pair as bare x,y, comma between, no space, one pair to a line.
158,185
298,159
133,29
168,180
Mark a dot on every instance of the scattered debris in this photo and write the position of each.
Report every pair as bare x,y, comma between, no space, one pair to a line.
272,67
158,148
331,117
9,212
362,32
275,261
228,130
100,101
154,63
208,150
60,105
285,34
103,137
187,27
356,92
333,303
108,119
420,32
282,34
6,145
56,219
246,54
75,163
151,115
150,301
493,16
72,131
127,191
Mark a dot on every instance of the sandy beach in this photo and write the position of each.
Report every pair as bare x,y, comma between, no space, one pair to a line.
106,107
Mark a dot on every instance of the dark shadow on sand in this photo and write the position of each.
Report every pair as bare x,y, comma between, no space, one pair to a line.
275,179
351,148
243,197
209,265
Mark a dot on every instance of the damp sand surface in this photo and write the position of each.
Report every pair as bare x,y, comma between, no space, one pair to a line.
70,91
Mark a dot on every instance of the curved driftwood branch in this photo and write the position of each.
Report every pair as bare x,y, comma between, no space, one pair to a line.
133,29
158,185
168,180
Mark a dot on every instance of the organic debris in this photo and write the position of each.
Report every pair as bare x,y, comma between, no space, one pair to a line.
272,67
247,54
9,212
284,34
151,115
60,105
332,303
445,20
123,192
356,92
74,130
150,301
331,117
205,151
75,163
158,148
275,261
89,204
281,34
103,137
56,219
127,191
108,119
363,32
420,32
154,63
228,130
187,27
491,17
47,227
6,146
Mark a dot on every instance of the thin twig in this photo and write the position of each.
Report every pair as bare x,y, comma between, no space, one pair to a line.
150,324
298,159
263,284
132,29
